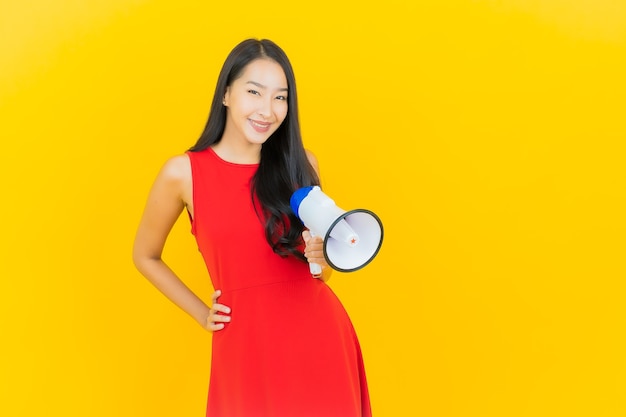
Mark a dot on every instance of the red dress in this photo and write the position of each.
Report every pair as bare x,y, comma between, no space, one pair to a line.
290,349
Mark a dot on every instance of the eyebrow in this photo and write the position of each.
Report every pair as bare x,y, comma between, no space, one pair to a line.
262,86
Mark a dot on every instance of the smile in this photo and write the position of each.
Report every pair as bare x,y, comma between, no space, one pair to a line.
259,126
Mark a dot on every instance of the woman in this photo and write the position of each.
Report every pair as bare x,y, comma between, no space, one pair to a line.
283,346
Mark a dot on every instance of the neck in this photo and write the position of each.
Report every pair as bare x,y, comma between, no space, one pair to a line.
248,153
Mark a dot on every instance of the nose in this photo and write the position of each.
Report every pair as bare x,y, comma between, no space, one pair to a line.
265,107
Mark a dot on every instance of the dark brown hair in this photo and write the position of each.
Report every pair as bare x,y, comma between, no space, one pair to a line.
284,166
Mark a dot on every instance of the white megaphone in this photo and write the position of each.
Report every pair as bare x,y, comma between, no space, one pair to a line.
351,238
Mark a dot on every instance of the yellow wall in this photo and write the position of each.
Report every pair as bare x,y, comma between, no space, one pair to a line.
488,135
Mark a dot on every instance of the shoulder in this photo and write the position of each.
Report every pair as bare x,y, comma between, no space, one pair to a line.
177,168
174,178
312,160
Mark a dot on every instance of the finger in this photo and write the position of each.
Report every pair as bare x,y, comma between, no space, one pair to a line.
215,327
320,261
314,256
317,250
221,308
317,258
306,235
315,244
220,318
216,321
215,295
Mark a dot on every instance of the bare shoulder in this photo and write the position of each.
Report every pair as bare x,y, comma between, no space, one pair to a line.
312,160
175,179
177,169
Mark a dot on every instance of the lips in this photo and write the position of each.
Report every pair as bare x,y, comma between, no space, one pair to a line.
260,127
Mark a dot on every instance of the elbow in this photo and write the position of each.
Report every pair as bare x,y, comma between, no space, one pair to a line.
142,259
136,255
138,261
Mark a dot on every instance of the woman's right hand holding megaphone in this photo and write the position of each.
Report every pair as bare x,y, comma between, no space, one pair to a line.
314,253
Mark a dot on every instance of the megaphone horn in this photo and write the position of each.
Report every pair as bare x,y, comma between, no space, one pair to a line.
352,238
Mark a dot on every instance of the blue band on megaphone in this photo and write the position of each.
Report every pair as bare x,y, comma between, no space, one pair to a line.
297,197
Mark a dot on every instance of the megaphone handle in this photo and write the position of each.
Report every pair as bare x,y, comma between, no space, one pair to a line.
316,269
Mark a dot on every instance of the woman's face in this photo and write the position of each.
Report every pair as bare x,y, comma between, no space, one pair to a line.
256,102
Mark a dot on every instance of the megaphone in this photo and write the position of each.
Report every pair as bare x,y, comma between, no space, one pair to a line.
351,238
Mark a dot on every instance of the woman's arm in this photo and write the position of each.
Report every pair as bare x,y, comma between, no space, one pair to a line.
165,203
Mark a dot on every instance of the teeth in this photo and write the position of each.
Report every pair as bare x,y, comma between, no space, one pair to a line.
259,124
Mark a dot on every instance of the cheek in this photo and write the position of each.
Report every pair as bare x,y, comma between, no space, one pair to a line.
246,107
281,113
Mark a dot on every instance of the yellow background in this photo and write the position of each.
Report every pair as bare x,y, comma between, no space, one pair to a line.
488,136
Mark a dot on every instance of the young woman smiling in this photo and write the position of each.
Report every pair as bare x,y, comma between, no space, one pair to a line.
283,345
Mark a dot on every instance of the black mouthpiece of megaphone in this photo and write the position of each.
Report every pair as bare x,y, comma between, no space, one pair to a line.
351,238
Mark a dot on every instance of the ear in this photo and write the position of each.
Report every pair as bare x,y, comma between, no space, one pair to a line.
226,97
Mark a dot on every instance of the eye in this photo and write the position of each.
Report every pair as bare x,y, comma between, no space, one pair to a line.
281,98
253,92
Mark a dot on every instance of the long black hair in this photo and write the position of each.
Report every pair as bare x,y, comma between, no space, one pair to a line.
284,166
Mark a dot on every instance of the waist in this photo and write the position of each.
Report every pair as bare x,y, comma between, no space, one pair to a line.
238,283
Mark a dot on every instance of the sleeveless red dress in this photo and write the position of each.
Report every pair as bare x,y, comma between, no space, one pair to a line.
290,349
